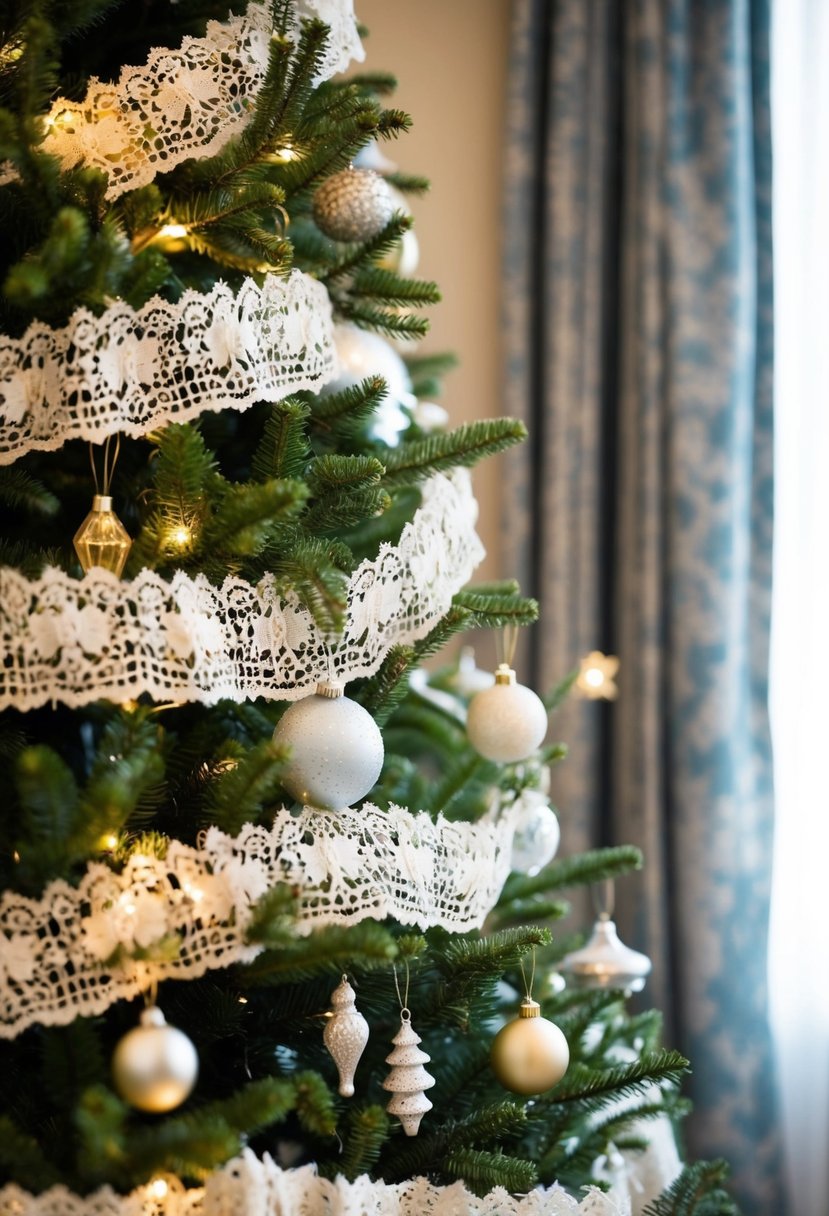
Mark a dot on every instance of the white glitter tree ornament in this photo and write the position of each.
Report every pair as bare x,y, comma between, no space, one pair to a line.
408,1078
345,1035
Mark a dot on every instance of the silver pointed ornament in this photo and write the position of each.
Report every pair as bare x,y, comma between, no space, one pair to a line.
345,1035
605,961
408,1078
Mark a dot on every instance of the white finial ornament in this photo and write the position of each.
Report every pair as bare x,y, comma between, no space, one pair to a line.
408,1078
345,1035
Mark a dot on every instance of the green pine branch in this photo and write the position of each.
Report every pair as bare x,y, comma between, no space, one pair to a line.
24,1160
245,786
283,450
412,461
22,492
698,1191
365,1133
365,945
578,870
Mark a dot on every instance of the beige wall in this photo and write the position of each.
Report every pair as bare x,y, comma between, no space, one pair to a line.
449,57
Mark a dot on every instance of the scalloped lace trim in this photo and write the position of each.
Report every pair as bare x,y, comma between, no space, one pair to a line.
77,640
182,104
134,371
261,1188
350,865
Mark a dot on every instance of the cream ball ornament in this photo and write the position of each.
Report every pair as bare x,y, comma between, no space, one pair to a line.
336,749
155,1066
530,1054
508,721
353,205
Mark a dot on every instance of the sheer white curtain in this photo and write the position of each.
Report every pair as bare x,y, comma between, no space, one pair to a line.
799,965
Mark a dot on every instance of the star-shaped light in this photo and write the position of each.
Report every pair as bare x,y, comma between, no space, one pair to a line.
597,676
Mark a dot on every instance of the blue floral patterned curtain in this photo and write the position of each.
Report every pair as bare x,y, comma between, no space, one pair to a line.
639,346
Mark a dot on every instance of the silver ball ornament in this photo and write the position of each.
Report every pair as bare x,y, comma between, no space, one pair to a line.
336,749
361,354
536,836
345,1035
353,205
155,1066
530,1054
506,722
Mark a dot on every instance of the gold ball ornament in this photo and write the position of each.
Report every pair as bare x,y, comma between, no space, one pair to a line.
353,205
530,1054
506,722
155,1066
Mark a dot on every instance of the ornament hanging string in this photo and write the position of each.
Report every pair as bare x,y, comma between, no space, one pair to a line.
506,644
528,988
108,464
603,896
405,1012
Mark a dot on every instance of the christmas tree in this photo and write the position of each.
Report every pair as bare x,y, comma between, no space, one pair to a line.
256,877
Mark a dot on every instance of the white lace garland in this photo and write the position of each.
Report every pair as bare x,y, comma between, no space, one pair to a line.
261,1188
134,371
182,104
57,952
78,640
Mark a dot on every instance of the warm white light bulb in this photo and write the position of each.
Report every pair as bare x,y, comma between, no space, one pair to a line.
173,232
158,1188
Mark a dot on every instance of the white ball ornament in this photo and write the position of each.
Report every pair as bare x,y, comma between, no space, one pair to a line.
530,1054
506,722
155,1066
363,354
336,749
353,205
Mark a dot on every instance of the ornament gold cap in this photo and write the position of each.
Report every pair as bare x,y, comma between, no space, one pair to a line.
152,1016
102,502
330,688
504,674
529,1008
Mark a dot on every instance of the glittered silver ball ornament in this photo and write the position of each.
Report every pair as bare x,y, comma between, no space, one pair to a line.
530,1054
336,749
353,205
155,1066
506,722
345,1035
606,962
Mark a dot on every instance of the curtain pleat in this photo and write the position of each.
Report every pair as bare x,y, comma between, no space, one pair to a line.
638,327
